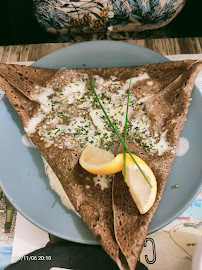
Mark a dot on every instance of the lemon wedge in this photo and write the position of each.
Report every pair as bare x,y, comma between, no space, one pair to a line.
143,195
102,162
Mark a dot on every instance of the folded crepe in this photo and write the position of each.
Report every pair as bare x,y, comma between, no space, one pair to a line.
61,115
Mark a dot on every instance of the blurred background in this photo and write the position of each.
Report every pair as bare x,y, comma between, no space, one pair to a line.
19,26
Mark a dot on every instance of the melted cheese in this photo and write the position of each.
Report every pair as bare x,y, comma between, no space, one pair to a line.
75,87
99,80
103,181
98,119
63,128
156,143
134,80
33,123
150,83
74,91
162,145
116,115
43,98
78,131
83,131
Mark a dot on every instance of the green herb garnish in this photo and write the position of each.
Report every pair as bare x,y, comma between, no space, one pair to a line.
92,84
125,130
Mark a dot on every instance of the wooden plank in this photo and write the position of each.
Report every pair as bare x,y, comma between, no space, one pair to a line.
190,45
14,53
5,54
24,54
195,45
172,46
165,46
1,52
200,41
139,42
36,51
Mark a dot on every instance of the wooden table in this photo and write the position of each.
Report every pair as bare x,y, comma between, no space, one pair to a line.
165,46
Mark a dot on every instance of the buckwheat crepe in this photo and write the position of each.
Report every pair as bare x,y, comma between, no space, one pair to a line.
61,115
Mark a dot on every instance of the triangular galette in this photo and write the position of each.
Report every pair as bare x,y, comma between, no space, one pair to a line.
61,115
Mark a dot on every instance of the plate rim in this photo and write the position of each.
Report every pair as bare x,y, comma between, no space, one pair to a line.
35,64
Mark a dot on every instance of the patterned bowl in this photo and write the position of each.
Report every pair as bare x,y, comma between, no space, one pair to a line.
87,16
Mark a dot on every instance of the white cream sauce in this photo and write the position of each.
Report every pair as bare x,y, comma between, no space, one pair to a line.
156,143
103,180
183,147
57,187
74,91
53,179
150,83
161,146
134,80
79,130
33,123
43,99
116,115
93,127
27,141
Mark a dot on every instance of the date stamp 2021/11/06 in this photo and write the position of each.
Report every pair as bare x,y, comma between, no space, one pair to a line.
36,258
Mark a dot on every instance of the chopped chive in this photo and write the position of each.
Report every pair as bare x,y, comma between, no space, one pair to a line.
91,82
57,131
125,131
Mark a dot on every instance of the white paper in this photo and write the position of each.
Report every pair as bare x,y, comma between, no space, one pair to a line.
27,238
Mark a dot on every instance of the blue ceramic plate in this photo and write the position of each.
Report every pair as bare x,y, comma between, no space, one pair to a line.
22,175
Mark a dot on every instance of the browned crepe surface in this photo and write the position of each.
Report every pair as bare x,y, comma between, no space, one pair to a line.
93,204
169,108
